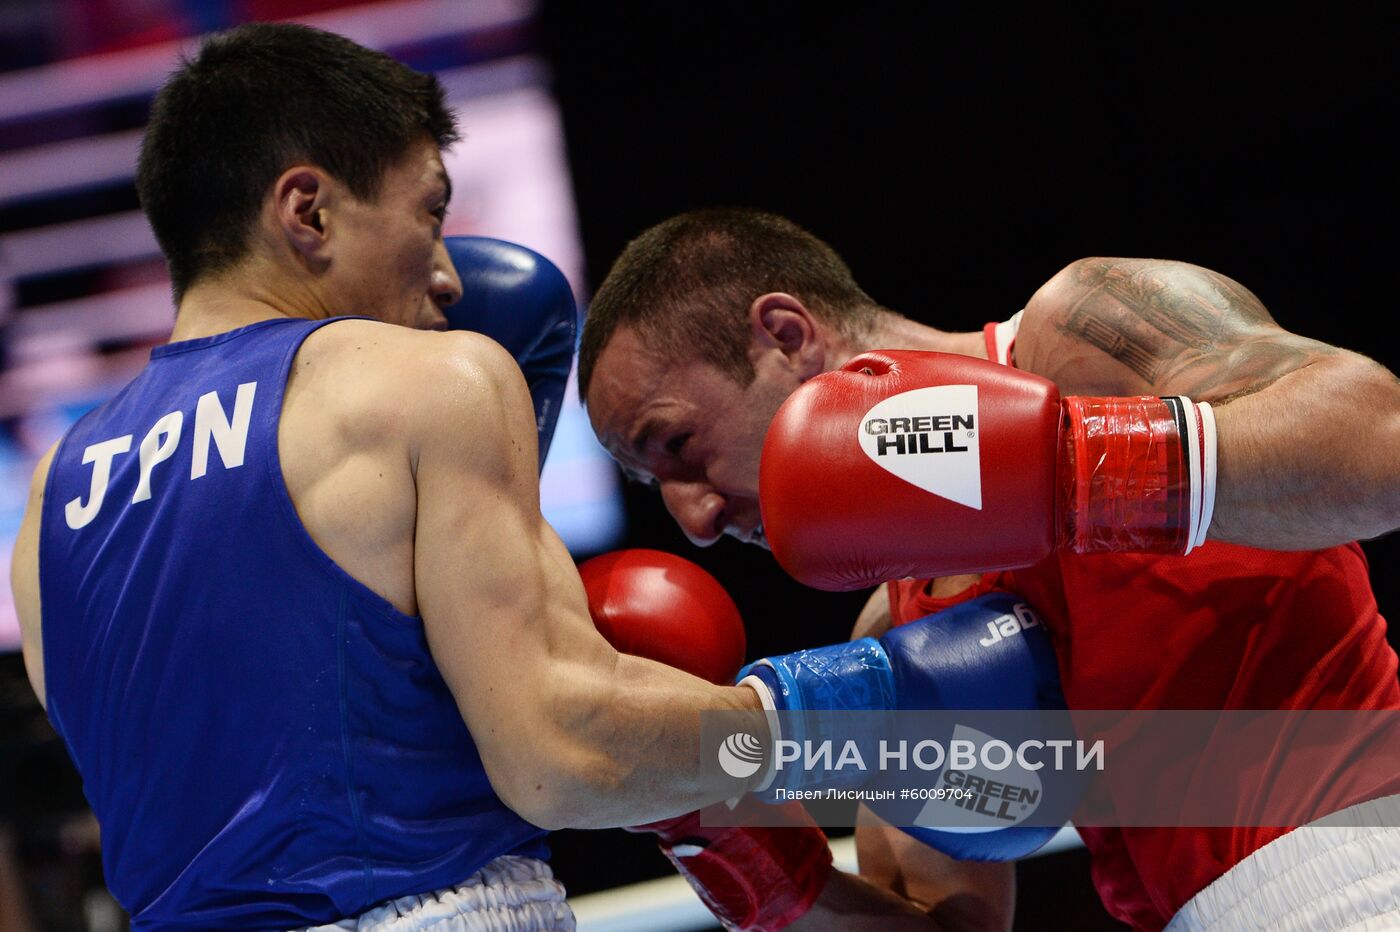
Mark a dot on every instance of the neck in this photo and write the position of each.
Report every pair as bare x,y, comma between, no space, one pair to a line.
892,331
238,299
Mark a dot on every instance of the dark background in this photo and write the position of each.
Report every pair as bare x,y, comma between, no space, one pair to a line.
957,157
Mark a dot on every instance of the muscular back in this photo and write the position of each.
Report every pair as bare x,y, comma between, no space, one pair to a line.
346,442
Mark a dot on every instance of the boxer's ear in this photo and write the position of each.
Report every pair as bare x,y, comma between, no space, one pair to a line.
780,323
300,198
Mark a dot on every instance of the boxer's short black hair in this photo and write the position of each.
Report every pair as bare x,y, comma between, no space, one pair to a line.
686,284
256,100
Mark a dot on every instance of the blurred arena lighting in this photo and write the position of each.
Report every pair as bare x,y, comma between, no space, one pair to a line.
82,83
85,296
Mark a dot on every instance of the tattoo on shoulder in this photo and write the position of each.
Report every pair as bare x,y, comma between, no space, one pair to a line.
1132,352
1160,318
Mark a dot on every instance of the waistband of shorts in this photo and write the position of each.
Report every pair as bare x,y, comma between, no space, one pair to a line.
509,894
1340,872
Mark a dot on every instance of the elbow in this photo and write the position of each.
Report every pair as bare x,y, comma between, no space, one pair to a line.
558,788
559,765
539,795
542,809
534,797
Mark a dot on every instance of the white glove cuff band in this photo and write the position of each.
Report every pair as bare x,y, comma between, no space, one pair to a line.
770,709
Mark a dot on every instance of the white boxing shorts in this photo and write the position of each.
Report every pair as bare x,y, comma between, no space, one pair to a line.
510,894
1340,872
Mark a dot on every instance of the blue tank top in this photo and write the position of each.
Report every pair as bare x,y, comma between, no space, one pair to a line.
266,742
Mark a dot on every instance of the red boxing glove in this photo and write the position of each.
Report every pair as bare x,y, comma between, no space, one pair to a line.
906,463
660,606
758,879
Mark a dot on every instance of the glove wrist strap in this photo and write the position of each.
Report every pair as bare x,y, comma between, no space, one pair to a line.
1136,474
856,676
758,879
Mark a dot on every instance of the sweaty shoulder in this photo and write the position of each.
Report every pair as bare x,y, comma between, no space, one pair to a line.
384,382
378,415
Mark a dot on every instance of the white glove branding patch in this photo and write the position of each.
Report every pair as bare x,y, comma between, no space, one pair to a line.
992,795
928,437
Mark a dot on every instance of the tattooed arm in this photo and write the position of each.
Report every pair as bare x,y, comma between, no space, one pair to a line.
1309,434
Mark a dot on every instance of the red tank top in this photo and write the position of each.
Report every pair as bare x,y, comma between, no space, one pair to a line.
1226,627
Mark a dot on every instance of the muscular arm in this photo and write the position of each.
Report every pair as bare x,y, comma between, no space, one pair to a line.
572,733
1309,434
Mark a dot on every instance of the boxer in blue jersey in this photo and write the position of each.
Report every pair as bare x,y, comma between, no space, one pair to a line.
288,597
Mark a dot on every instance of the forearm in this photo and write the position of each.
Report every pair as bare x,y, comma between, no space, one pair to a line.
1313,460
620,745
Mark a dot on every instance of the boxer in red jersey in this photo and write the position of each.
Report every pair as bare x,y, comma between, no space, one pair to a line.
708,322
1249,629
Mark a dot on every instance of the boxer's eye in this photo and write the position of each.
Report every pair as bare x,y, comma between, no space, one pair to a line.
676,444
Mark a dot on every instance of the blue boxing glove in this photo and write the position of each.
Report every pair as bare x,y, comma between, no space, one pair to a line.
989,653
521,300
